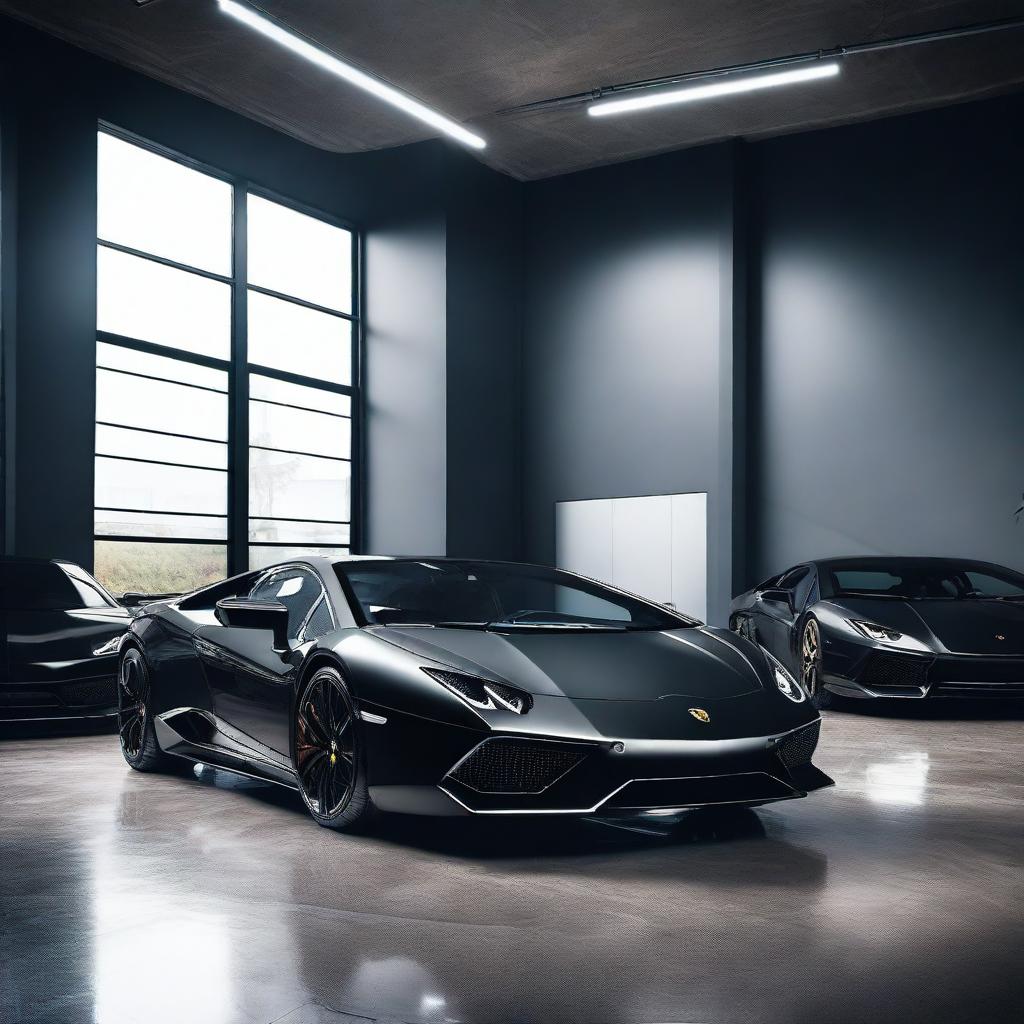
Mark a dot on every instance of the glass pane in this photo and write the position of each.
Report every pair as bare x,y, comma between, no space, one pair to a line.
285,486
157,205
295,254
261,557
294,531
144,445
276,426
161,524
300,340
125,484
117,357
141,299
268,389
123,565
139,402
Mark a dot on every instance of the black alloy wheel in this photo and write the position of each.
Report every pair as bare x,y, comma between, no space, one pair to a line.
132,695
134,715
810,664
327,753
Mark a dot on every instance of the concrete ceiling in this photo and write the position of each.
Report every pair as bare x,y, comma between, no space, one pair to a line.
473,58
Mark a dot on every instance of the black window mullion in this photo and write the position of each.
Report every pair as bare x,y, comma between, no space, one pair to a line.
238,389
356,538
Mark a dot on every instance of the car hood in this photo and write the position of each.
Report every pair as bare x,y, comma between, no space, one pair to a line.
696,663
972,626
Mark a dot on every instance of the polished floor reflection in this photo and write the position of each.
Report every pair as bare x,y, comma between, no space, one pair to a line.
896,896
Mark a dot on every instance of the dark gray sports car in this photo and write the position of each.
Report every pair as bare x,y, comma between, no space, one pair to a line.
439,686
892,627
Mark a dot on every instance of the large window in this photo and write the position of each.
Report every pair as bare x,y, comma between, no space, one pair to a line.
227,336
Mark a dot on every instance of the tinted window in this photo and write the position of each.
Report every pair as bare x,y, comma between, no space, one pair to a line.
45,586
481,594
928,579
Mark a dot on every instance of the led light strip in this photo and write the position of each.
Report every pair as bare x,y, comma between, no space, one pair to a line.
722,87
272,29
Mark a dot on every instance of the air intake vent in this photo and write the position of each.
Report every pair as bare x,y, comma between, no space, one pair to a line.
886,670
515,766
95,693
798,747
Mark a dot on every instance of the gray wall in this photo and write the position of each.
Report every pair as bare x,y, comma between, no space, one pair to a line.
627,329
888,411
484,261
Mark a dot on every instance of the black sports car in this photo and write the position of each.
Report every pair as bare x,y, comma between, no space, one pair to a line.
440,686
60,632
892,627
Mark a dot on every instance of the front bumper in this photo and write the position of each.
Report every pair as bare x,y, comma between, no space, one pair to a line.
533,775
874,673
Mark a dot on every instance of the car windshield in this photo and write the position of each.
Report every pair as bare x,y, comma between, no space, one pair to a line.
494,595
929,581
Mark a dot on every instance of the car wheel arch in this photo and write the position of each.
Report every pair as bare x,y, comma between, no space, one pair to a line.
317,659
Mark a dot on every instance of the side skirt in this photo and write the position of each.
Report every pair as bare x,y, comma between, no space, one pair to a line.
195,735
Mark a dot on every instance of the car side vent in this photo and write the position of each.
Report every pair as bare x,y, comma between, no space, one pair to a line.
797,748
515,766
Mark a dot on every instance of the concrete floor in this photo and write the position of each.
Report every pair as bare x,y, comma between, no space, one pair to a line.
896,896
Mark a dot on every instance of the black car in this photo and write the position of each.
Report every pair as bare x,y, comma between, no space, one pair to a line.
439,686
60,633
892,627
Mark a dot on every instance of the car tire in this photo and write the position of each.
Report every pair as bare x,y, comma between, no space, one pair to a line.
810,657
134,720
330,761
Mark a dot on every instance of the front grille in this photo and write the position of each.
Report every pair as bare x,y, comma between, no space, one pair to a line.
883,671
515,766
94,693
797,748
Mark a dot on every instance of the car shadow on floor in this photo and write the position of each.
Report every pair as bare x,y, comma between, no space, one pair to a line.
912,709
616,847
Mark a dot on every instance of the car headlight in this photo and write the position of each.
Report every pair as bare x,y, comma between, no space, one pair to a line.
111,646
784,680
483,693
875,632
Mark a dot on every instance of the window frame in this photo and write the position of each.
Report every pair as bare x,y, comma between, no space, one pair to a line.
238,369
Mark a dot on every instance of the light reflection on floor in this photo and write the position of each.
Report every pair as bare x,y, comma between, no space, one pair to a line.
901,780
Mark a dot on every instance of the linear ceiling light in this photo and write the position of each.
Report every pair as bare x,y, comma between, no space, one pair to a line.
270,28
721,87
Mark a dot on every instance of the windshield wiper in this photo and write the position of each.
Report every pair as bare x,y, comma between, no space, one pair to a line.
441,624
513,624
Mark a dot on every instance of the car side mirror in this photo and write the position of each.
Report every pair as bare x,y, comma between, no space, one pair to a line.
777,596
250,613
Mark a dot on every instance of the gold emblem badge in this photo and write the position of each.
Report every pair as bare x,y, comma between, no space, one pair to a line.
700,714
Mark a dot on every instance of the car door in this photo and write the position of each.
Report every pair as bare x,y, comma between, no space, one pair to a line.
779,609
251,683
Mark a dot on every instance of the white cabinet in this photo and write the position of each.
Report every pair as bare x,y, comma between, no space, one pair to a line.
654,545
